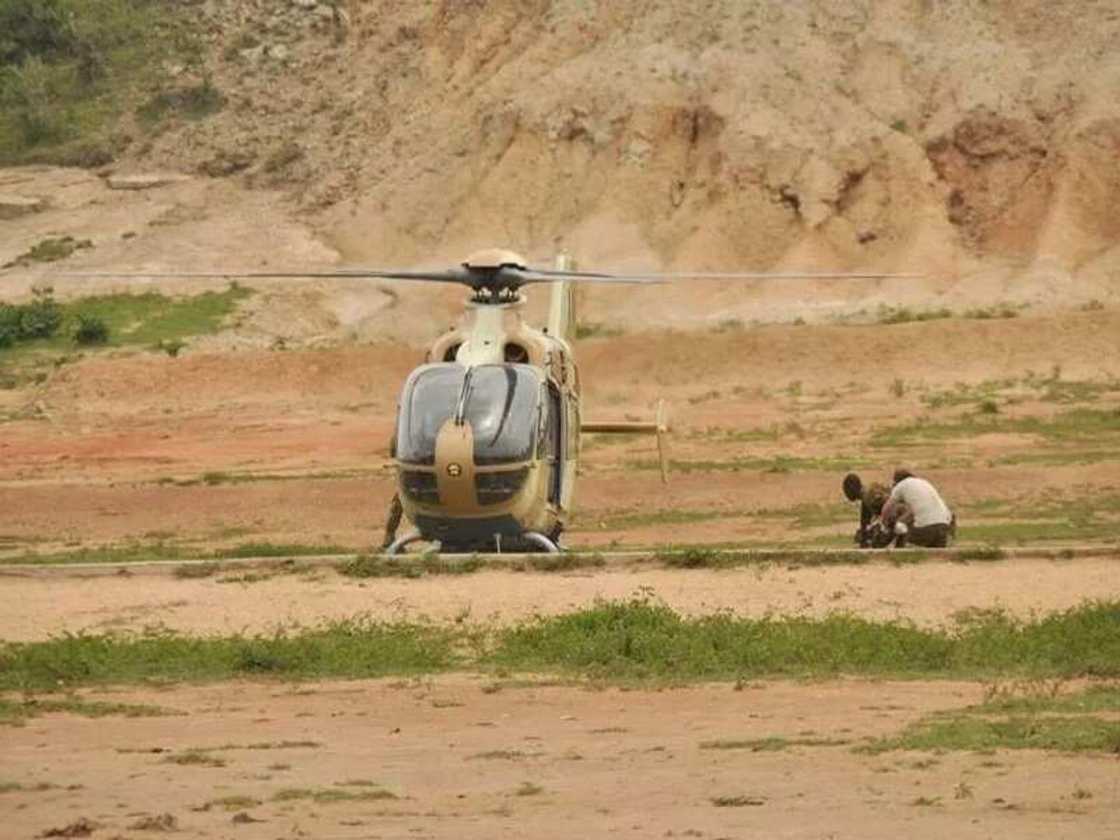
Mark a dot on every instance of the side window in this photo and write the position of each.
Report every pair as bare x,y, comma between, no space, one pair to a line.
554,443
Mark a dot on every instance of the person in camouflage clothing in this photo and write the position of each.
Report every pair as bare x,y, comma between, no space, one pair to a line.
871,500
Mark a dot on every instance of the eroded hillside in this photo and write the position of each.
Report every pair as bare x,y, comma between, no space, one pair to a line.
952,137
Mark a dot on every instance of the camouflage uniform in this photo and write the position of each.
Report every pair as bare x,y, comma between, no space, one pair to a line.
872,499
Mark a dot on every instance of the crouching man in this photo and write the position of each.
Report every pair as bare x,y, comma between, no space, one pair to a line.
871,499
917,514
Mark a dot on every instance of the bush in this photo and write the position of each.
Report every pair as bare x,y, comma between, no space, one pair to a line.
40,318
34,28
91,330
70,68
9,324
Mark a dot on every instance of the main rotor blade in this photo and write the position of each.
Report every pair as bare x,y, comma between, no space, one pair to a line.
454,275
534,276
695,275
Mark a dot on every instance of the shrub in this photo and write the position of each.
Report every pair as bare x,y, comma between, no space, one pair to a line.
69,68
91,330
40,318
34,28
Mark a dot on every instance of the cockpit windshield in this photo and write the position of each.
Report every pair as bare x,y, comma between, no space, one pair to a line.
500,402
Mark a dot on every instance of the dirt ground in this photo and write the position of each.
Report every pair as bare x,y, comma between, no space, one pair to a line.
465,757
930,594
967,145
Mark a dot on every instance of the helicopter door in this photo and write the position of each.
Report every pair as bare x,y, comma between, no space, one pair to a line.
554,444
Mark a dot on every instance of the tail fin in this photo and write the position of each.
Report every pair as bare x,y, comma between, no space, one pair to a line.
562,305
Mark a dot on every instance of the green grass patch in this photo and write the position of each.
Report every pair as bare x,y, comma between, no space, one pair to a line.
14,712
235,802
327,796
51,249
623,641
987,313
1033,714
627,521
214,478
265,549
419,565
905,315
147,319
967,732
775,464
983,553
768,434
70,68
732,557
1057,457
129,553
1036,698
1052,530
194,758
18,787
1065,391
189,102
162,551
641,640
738,801
357,648
409,566
1080,425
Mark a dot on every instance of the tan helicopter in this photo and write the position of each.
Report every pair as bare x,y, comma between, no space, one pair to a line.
488,430
487,437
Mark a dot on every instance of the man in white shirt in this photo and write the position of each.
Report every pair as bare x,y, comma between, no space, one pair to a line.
916,505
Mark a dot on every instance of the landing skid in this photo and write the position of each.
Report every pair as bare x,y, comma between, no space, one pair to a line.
400,543
541,541
533,538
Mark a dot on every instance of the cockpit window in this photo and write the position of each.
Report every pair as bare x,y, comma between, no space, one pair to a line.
500,402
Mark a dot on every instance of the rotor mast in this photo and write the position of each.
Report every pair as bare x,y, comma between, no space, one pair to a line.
561,307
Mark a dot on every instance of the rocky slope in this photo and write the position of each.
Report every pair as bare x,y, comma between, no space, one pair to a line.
976,143
891,134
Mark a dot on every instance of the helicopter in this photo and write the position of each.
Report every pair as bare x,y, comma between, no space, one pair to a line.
487,435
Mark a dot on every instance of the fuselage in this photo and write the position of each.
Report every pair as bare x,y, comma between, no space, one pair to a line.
487,435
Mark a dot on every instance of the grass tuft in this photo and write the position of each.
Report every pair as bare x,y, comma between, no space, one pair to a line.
737,801
14,712
326,796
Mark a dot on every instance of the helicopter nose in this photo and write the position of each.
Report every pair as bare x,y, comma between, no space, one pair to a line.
454,465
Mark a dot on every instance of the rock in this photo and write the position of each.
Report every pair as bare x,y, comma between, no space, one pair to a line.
225,163
162,822
81,828
14,206
143,182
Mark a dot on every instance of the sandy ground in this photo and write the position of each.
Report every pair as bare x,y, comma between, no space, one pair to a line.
89,457
466,758
930,594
